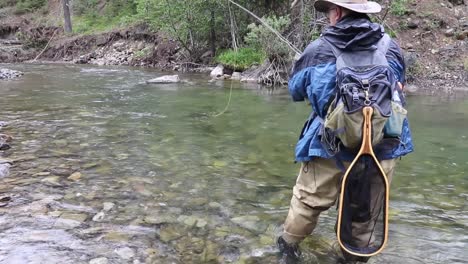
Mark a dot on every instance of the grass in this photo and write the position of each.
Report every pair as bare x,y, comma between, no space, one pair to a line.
399,7
93,23
241,60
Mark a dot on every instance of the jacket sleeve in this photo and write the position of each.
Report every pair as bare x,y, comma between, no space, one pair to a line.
298,82
396,61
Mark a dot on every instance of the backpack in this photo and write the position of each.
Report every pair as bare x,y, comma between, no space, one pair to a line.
363,78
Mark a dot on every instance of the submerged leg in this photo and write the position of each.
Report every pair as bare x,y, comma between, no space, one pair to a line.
364,232
315,191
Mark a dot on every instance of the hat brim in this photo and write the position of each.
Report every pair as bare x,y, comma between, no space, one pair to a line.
367,8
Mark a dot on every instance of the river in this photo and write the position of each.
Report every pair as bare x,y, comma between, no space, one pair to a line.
108,169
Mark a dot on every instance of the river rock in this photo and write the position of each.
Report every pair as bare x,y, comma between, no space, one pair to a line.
99,217
4,146
75,176
4,169
165,79
9,74
52,181
107,206
236,76
250,222
66,223
170,232
217,72
125,253
6,138
99,261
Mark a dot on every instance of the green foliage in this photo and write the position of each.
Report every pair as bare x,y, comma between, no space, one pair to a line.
260,37
190,22
399,7
7,3
93,16
242,59
24,6
143,53
81,7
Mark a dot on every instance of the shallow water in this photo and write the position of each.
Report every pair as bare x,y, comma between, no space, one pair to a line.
162,180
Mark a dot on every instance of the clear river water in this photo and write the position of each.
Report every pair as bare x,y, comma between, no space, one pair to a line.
108,169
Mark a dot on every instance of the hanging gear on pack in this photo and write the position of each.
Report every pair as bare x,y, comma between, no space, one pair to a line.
364,78
366,108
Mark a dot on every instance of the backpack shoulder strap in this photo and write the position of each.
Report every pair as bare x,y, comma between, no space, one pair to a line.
362,58
384,44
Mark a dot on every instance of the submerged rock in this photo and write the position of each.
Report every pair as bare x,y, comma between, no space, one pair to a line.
165,79
107,206
99,261
75,176
125,253
4,169
99,217
9,74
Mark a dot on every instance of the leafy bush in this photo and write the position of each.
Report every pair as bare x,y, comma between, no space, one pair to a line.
242,59
260,37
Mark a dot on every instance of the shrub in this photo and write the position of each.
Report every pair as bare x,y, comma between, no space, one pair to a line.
260,37
242,59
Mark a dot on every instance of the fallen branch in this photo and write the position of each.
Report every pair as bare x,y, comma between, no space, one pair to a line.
35,59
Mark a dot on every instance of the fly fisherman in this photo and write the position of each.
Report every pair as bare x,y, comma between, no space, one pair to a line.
314,79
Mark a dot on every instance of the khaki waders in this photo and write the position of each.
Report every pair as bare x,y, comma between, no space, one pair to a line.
316,190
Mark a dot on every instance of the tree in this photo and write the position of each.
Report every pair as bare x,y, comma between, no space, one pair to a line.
66,15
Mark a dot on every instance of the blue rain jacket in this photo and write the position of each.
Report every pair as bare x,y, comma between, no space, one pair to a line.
313,79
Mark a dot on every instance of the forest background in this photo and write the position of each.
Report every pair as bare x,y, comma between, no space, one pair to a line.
207,32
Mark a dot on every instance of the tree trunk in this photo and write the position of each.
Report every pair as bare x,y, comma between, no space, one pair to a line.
213,33
66,15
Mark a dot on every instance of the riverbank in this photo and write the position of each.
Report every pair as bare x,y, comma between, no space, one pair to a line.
434,43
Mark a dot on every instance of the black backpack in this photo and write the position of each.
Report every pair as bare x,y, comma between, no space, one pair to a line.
363,78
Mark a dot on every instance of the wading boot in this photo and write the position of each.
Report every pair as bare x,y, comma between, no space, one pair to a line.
354,259
290,253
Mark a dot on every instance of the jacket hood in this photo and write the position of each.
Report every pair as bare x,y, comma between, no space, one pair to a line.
354,33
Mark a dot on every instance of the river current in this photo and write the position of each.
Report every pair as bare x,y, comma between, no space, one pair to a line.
108,169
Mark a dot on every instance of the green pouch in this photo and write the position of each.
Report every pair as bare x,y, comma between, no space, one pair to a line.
348,127
394,125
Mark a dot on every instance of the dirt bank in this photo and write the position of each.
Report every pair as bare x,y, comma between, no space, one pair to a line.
433,35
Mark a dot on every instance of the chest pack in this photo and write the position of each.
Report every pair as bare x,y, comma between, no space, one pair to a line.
363,78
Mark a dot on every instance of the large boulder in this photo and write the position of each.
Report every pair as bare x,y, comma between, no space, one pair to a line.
165,79
217,72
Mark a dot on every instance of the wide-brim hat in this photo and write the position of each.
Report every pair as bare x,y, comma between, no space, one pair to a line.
360,6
